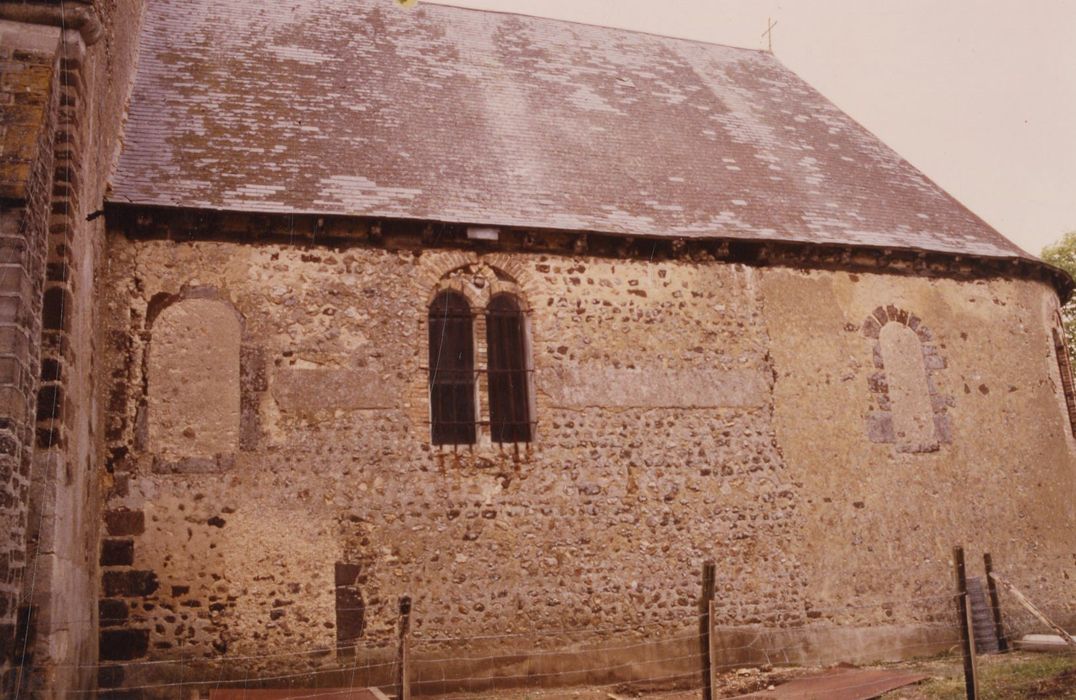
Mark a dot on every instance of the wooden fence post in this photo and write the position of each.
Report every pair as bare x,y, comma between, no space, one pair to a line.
705,626
995,603
403,662
963,612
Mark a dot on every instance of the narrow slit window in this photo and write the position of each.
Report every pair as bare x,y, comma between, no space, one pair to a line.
452,379
1064,367
509,399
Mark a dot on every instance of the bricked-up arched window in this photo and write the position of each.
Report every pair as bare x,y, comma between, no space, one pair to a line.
1065,368
509,395
452,377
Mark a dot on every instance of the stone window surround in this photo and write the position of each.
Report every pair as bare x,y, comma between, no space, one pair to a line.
479,282
252,382
880,421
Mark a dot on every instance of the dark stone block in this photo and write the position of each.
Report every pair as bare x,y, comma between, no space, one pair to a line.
121,695
111,612
347,574
125,522
253,375
51,370
48,438
130,583
117,552
350,615
109,677
117,398
57,309
123,644
50,402
7,642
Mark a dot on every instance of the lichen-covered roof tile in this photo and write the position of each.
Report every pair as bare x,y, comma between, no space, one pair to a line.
357,107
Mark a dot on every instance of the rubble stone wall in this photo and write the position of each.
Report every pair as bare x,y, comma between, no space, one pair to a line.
686,410
65,72
29,106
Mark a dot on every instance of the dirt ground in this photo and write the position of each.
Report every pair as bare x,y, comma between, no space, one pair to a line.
1014,676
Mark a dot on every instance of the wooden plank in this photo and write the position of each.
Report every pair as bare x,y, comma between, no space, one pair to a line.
296,693
1022,599
995,603
840,684
705,625
403,662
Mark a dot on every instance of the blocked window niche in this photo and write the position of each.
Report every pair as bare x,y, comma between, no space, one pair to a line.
907,411
193,399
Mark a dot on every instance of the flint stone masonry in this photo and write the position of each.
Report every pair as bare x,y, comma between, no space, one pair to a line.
29,114
733,429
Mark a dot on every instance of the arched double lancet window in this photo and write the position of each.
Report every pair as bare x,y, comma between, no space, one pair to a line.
452,375
479,359
509,379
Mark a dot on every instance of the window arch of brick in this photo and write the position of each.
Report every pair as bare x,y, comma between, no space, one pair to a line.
451,369
508,370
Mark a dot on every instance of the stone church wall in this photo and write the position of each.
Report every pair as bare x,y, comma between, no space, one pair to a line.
995,473
768,418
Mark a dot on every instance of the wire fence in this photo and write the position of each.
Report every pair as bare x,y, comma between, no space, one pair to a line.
679,654
662,657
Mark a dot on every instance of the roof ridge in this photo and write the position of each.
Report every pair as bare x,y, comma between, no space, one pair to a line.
560,20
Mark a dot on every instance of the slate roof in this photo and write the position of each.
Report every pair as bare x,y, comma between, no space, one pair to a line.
357,107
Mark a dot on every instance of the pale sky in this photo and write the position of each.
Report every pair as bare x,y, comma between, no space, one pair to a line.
978,94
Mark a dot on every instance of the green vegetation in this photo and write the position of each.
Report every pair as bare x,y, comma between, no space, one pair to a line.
1009,677
1063,254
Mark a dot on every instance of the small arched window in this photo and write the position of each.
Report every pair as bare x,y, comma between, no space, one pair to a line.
452,379
509,395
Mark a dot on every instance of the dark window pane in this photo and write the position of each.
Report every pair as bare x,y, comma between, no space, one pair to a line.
509,404
452,411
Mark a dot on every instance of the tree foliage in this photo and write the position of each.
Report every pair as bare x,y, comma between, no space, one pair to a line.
1063,254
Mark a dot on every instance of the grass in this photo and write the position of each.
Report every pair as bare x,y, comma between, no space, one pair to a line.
1017,676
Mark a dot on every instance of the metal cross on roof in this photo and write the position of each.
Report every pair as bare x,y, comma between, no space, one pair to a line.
769,33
